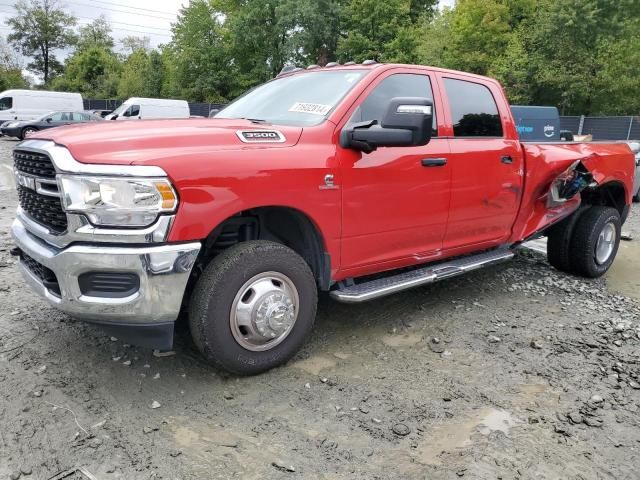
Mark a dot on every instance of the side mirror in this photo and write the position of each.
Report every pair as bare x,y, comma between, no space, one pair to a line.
48,120
406,123
214,112
115,117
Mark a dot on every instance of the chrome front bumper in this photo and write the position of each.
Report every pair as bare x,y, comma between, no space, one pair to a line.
163,271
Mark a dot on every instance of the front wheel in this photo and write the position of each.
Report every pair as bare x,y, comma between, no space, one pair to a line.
594,241
253,307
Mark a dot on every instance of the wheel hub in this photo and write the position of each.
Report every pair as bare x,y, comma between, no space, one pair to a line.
606,243
274,315
264,311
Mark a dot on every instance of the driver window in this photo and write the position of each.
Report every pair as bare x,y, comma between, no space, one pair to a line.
399,85
132,111
6,103
56,117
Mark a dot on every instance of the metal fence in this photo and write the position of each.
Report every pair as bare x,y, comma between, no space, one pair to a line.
200,109
604,128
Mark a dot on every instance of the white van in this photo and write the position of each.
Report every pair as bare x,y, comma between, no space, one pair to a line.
144,108
31,104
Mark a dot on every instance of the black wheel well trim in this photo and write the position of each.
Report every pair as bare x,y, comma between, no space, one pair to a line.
610,194
281,224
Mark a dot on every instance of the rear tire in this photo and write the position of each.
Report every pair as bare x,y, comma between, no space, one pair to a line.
26,131
559,242
253,307
595,241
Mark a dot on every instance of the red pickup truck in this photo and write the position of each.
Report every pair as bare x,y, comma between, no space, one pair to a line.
356,180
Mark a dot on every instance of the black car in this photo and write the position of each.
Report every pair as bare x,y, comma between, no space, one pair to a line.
22,129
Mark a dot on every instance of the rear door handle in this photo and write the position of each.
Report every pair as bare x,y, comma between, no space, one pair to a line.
507,159
434,162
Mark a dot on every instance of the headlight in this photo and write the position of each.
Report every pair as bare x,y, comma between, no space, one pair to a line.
117,201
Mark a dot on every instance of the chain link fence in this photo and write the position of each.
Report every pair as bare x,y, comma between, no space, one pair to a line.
604,128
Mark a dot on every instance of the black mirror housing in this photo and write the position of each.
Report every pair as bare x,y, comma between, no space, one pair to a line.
406,123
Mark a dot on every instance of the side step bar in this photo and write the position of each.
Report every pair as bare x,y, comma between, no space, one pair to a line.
381,287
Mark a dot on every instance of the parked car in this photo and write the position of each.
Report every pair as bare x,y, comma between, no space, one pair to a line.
147,108
360,180
23,129
31,104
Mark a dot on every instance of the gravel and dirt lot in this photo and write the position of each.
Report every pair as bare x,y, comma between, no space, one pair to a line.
517,371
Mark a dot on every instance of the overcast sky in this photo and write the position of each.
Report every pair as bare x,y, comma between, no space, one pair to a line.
150,18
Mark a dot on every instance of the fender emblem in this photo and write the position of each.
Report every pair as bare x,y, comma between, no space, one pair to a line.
261,136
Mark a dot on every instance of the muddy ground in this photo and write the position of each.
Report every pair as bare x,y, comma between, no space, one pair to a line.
517,371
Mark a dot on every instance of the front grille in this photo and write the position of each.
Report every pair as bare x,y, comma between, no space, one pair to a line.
45,275
43,209
36,164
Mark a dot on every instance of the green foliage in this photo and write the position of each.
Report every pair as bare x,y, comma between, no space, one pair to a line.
93,71
580,55
381,30
38,29
95,34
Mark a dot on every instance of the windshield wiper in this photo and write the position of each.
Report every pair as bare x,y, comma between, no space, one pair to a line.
254,120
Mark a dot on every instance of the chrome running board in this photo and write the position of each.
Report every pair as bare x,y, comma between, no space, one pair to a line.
381,287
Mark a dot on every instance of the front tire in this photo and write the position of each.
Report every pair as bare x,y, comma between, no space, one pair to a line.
595,241
253,307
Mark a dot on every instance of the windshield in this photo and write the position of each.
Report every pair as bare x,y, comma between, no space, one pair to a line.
119,110
298,100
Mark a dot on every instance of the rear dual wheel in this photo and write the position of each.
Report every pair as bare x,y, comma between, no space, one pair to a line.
253,307
586,243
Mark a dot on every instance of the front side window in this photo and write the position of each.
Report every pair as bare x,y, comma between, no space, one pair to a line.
474,112
57,117
398,85
303,99
6,103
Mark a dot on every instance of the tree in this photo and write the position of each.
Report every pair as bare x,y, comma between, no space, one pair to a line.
38,29
383,30
10,69
93,71
135,71
200,62
131,43
96,34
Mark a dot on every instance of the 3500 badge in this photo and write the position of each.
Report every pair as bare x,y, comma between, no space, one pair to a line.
261,136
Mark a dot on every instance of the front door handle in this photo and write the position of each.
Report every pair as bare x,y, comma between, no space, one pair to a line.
434,162
507,159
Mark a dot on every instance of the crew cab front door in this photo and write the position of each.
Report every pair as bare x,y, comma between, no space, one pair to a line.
395,200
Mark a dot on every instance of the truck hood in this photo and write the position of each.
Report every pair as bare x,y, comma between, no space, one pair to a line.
142,141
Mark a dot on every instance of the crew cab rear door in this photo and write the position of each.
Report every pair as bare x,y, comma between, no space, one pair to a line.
395,200
486,163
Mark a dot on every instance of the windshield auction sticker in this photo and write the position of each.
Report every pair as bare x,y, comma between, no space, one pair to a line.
312,108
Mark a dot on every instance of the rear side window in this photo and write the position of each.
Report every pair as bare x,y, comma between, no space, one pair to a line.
6,103
473,109
399,85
